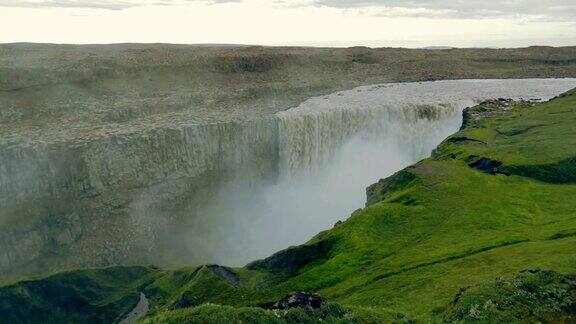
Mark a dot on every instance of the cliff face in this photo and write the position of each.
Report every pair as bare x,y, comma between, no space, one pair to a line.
103,201
127,195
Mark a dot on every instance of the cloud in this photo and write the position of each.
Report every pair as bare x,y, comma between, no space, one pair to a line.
564,10
552,10
95,4
98,4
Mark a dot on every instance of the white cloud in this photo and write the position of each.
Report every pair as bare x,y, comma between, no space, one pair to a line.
559,10
271,22
99,4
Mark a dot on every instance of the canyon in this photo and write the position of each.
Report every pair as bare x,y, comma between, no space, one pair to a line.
181,183
182,191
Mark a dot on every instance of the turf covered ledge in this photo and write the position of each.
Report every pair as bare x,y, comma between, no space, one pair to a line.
562,172
384,187
449,258
531,296
288,262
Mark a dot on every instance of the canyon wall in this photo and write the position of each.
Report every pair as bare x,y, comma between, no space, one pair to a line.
102,202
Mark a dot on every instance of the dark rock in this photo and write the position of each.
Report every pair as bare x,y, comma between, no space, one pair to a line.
338,223
486,165
182,303
304,300
460,139
535,270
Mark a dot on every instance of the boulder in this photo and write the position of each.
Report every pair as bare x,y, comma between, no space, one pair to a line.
304,300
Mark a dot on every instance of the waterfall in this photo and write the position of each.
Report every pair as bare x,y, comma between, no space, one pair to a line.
416,116
309,139
332,147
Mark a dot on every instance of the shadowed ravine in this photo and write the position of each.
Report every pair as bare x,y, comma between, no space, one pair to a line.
225,193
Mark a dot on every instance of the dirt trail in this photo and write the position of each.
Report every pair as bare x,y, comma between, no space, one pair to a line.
138,312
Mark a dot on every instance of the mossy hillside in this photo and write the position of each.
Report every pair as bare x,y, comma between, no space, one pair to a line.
450,225
532,296
175,289
461,226
328,313
538,143
100,295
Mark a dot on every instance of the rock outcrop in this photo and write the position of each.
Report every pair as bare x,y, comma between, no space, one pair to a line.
304,300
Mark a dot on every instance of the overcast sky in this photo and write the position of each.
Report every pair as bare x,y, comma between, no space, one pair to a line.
415,23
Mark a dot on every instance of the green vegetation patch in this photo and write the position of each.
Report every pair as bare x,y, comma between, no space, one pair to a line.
328,313
81,296
288,262
380,190
531,296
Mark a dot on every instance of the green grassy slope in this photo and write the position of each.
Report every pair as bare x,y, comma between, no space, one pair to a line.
328,313
532,296
497,198
81,296
448,225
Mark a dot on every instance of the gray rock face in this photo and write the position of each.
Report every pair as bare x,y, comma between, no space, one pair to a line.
102,201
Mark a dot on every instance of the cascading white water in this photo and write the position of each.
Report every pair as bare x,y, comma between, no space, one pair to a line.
310,138
331,148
